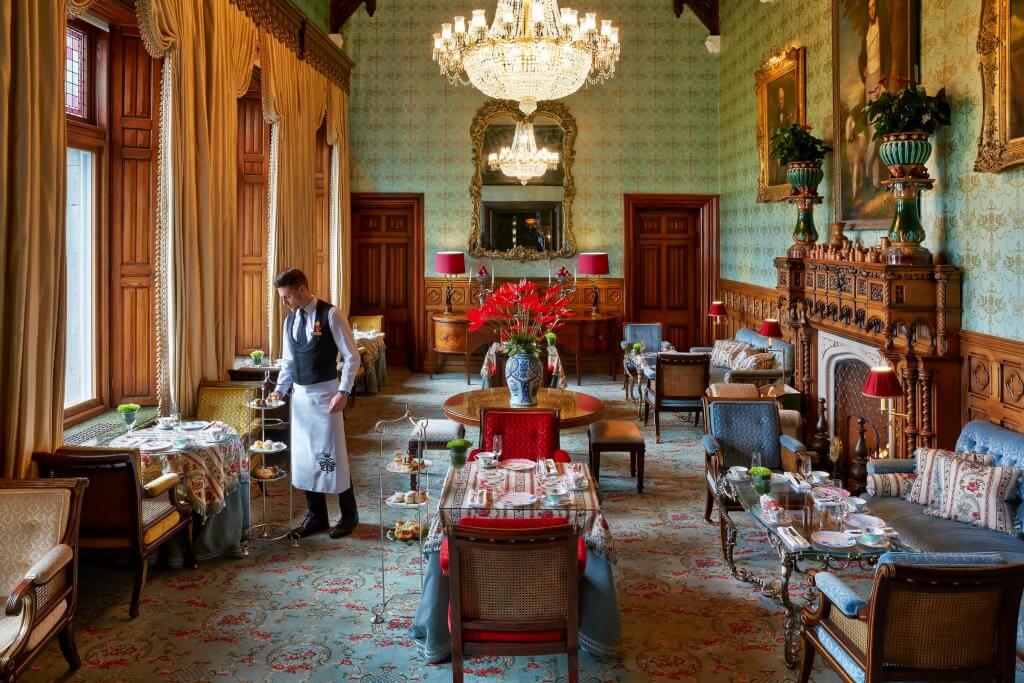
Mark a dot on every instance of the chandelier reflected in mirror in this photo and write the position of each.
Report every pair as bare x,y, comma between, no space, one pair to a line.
532,51
523,160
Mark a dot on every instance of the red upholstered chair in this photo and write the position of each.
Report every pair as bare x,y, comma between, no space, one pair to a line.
513,585
527,434
515,523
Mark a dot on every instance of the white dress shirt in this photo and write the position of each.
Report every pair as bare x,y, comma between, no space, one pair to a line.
343,339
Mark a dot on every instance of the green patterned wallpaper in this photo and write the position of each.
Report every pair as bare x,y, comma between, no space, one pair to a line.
972,218
653,128
319,11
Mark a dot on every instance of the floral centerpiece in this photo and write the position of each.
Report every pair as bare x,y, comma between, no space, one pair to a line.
130,414
256,357
458,448
762,479
522,313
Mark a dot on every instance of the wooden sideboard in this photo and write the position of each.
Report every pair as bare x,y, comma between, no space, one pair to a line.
585,336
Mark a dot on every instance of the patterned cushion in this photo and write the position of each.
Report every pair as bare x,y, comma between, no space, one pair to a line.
227,404
927,488
746,360
725,350
977,494
33,522
889,485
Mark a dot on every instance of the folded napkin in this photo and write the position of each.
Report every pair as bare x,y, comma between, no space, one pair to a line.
796,484
550,468
792,539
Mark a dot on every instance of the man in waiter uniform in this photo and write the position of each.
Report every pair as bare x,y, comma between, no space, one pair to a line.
315,333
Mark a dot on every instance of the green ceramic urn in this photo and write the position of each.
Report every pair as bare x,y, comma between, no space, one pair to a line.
804,175
906,154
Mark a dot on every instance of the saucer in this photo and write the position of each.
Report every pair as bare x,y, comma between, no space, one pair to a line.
880,543
833,539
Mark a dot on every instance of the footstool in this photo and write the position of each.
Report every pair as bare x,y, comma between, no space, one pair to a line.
617,436
436,435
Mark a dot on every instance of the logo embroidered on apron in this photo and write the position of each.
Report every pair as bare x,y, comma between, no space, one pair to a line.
326,462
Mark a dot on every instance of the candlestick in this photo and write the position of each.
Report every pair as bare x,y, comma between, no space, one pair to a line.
573,277
549,276
492,277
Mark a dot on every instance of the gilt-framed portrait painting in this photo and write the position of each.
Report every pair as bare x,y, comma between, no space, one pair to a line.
1001,52
781,84
875,46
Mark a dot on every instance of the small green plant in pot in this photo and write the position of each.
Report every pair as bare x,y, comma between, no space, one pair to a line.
130,414
256,357
761,477
904,120
801,153
458,448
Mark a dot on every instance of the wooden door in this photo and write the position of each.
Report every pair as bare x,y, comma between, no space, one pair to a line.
387,268
666,272
251,331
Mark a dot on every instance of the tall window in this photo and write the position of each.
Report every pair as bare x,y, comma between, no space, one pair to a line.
76,70
79,368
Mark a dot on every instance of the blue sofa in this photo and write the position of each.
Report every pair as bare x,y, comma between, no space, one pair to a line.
758,377
927,534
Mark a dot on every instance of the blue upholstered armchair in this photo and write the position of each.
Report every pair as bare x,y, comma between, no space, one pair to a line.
650,335
734,429
929,617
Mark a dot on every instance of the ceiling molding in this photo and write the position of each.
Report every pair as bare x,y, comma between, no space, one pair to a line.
342,11
705,10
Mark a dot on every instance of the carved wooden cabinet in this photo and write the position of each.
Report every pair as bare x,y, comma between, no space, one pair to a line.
911,314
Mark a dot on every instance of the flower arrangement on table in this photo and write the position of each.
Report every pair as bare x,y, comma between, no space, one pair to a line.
458,448
130,414
522,314
762,478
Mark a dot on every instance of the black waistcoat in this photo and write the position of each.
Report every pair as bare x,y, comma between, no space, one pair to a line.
317,360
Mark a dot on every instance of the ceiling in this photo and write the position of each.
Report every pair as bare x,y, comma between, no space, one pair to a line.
705,10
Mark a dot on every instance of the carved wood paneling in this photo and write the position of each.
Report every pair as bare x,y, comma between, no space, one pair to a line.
253,164
746,306
993,377
133,125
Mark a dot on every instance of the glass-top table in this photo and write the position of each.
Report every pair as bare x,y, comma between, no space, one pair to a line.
802,514
575,409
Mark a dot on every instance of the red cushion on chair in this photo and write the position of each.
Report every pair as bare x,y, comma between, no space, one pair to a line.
529,434
514,523
552,636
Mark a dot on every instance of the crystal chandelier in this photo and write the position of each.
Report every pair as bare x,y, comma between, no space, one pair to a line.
531,52
523,160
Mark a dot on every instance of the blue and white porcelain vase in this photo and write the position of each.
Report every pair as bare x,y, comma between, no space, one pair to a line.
523,376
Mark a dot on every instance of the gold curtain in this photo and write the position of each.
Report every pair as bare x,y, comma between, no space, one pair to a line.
174,30
341,197
76,8
32,200
233,49
294,102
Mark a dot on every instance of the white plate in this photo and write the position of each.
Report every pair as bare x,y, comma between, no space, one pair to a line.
862,521
406,506
269,406
519,464
517,500
268,451
833,539
400,469
193,426
154,445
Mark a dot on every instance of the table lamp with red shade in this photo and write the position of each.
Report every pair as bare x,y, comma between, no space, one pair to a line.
771,329
593,263
717,311
883,384
449,264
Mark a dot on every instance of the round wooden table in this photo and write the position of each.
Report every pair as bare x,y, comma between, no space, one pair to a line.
575,409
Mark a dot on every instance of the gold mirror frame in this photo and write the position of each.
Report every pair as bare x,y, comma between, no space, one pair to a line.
494,109
996,150
772,67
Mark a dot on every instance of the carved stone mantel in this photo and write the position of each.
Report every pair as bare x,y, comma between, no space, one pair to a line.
909,314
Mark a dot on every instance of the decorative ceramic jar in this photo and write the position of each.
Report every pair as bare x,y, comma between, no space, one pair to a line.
762,483
805,175
523,374
905,154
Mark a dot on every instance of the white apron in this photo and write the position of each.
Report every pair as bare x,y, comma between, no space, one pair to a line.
319,456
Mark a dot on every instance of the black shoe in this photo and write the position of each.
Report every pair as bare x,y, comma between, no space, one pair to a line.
346,526
310,525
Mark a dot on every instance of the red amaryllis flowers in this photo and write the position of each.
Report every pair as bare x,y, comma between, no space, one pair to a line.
521,313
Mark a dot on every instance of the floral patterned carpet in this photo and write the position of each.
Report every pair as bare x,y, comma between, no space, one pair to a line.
304,614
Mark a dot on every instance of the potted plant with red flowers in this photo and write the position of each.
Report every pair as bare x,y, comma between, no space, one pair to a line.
521,314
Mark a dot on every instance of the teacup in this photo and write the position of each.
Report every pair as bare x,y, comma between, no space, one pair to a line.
555,494
856,504
165,422
184,442
218,433
873,535
737,471
485,458
819,477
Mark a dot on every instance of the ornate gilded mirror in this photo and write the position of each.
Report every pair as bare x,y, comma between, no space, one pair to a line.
513,220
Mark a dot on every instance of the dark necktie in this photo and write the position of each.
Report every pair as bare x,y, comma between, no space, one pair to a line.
300,337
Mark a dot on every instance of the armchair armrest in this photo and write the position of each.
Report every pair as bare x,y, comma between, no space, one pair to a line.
710,444
667,346
701,349
163,483
712,454
840,594
788,442
47,566
892,465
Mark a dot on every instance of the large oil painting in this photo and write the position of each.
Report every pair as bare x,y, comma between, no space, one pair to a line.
781,84
1001,51
875,46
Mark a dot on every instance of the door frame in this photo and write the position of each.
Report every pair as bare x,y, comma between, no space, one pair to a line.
403,200
708,258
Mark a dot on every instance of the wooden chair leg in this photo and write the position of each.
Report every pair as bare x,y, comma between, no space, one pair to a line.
190,548
647,412
806,660
595,469
66,638
467,368
457,665
709,503
574,667
632,464
640,471
141,570
657,426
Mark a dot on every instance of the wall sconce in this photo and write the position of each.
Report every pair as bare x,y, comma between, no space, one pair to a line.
883,385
